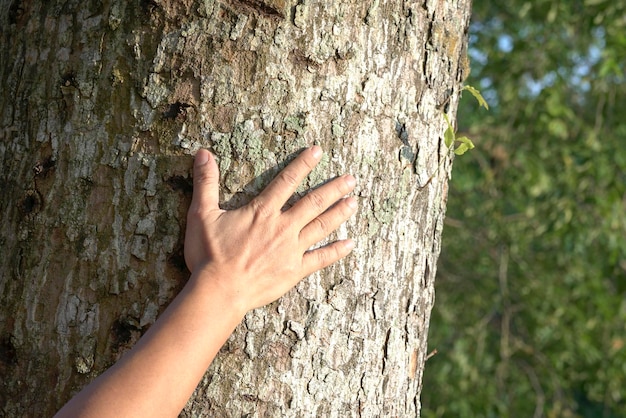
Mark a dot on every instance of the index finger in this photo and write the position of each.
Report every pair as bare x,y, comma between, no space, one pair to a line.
287,181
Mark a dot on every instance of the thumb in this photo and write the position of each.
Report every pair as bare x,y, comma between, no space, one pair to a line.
206,179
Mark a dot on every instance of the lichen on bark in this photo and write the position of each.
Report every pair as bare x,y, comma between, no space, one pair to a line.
97,146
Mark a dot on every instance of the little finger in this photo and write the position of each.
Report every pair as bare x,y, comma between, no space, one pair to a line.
319,258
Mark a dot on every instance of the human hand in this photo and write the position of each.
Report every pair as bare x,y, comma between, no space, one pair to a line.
256,253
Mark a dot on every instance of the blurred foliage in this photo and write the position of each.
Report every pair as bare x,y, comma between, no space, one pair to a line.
530,317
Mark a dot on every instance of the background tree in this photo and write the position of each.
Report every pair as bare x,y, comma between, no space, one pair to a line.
530,313
104,102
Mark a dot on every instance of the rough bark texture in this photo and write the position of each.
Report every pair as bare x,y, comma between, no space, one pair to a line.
103,104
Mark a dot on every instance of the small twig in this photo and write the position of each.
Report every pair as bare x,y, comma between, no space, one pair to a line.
431,354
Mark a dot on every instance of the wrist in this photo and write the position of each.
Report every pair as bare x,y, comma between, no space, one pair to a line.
215,287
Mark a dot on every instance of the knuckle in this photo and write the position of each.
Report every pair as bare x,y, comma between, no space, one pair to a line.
194,212
323,256
282,229
289,178
316,202
203,177
322,225
260,208
346,210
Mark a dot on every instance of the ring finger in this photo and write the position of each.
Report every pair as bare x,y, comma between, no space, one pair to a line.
321,226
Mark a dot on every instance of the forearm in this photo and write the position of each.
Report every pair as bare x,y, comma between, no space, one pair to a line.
159,374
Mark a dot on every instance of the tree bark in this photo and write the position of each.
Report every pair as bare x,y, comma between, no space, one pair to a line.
104,104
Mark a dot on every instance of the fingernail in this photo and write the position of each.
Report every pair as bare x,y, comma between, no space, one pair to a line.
202,157
349,244
352,203
350,180
317,151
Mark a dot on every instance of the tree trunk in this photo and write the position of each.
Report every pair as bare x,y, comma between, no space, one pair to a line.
104,104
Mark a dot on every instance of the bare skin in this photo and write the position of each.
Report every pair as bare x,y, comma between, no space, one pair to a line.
239,260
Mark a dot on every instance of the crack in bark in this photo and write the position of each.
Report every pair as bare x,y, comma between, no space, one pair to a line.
268,8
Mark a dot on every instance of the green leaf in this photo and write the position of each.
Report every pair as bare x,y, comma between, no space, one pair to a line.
465,140
449,136
479,97
466,145
461,149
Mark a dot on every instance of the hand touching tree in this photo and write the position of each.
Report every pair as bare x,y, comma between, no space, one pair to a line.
239,260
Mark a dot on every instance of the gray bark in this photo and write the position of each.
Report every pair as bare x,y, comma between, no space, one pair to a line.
104,104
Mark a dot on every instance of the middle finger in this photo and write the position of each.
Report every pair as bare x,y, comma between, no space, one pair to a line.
317,201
